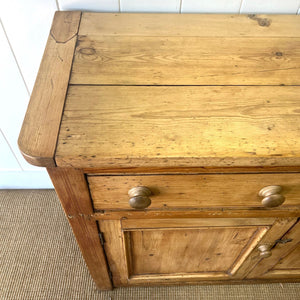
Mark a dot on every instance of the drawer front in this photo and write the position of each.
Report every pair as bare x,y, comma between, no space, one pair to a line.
193,191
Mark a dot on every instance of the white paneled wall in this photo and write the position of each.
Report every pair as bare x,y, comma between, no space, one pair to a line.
90,5
24,28
270,6
171,6
10,163
27,25
215,6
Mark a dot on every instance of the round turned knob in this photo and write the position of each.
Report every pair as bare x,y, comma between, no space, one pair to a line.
265,251
272,196
139,197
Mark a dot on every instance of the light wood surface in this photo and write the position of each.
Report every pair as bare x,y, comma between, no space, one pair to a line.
217,212
207,25
234,252
291,261
187,251
253,241
286,275
190,170
65,25
38,137
177,60
113,246
172,280
193,191
138,224
72,190
179,126
131,49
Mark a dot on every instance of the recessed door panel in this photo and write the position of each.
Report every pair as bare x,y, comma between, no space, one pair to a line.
187,250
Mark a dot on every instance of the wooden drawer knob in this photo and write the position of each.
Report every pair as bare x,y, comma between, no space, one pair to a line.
265,251
139,197
272,196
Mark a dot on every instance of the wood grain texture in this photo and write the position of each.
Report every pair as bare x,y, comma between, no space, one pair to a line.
191,170
138,224
287,274
233,244
190,25
291,261
38,137
177,280
181,250
288,212
252,243
141,49
177,60
72,190
113,246
65,25
278,229
188,250
285,259
142,96
193,191
179,127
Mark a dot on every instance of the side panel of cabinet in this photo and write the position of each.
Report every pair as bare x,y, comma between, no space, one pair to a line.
72,190
185,250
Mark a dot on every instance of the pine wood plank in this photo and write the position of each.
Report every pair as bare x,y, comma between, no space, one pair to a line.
190,25
287,274
281,212
38,136
177,60
177,280
72,190
140,224
179,127
191,170
193,191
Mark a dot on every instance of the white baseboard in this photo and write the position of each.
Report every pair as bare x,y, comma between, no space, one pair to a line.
25,180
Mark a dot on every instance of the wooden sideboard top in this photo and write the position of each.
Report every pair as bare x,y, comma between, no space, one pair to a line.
183,49
166,90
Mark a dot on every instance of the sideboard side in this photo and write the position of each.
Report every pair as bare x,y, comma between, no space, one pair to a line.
72,190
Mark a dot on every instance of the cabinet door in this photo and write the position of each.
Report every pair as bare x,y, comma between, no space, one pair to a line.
285,259
145,251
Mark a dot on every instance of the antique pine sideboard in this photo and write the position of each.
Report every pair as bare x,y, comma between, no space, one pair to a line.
173,143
